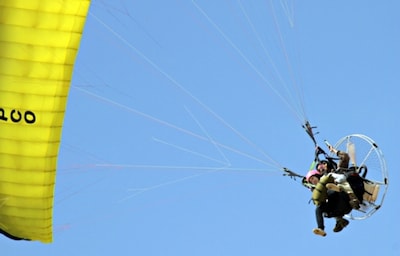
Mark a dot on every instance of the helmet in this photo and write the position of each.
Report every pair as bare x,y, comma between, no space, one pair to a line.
329,164
312,173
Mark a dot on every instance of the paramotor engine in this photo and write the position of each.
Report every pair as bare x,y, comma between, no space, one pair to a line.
368,160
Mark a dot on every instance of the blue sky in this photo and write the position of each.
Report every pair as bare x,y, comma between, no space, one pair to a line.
180,118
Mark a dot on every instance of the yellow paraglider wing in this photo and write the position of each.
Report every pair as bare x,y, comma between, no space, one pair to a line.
39,40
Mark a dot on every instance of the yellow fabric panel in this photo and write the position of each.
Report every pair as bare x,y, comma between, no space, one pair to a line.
39,40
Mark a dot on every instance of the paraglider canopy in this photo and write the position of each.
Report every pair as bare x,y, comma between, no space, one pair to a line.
39,41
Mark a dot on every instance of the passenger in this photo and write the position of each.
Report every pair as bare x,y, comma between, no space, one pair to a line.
328,203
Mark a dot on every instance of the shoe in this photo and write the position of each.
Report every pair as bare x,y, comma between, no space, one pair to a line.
319,232
334,187
340,225
354,202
